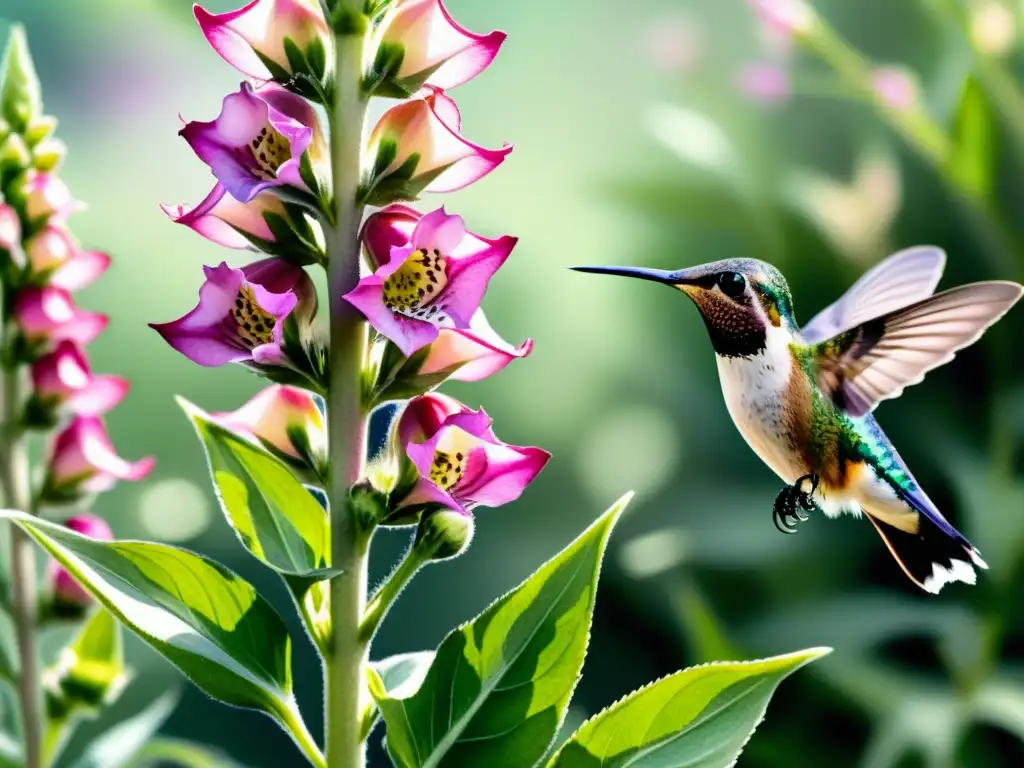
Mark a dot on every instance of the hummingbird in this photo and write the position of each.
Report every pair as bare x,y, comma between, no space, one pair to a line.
802,397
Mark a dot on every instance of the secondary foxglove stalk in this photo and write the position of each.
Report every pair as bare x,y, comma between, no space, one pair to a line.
419,43
437,280
417,147
50,392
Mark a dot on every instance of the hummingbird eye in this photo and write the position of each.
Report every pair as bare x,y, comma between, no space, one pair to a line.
733,284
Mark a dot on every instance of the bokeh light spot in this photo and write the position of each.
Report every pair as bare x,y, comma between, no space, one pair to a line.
175,509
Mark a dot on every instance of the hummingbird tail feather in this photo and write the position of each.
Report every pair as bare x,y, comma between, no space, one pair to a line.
933,556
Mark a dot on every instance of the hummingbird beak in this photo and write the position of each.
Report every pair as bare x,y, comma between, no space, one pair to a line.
677,278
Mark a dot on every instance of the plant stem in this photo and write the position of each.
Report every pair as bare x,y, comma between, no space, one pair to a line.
18,495
389,591
346,653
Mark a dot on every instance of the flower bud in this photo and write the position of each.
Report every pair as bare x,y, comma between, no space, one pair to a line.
270,39
443,534
15,155
420,44
40,129
48,155
416,147
64,588
287,421
21,98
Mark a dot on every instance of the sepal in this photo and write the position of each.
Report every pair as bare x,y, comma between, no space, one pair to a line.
443,533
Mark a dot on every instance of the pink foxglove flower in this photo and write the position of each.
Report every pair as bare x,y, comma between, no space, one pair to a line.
225,221
52,253
249,37
48,313
417,148
47,196
83,460
10,236
470,354
461,463
62,379
286,420
63,586
241,313
436,280
788,17
432,48
258,140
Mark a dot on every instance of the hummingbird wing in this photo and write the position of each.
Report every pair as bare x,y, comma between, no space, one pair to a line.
902,279
877,359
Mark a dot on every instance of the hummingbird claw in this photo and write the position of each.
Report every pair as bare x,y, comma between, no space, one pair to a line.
786,511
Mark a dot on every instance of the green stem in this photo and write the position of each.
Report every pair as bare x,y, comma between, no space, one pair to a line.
346,653
14,472
297,728
389,591
923,135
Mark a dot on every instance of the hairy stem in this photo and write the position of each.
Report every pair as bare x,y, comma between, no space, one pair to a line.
389,591
14,468
346,653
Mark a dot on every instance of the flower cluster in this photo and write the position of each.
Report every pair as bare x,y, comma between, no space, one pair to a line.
43,355
425,276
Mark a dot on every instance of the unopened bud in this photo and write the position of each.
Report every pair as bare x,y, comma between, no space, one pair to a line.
443,534
14,155
367,505
40,128
48,154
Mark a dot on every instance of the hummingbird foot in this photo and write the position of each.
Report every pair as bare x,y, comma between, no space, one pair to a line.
791,500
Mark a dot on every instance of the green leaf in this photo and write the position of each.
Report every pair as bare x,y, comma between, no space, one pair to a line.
202,617
273,514
21,98
185,754
404,672
11,754
401,675
117,746
698,718
972,158
499,686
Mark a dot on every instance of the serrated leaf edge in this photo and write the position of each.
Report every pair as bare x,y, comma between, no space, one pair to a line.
810,654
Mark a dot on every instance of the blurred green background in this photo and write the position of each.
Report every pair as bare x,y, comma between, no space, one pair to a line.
636,143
